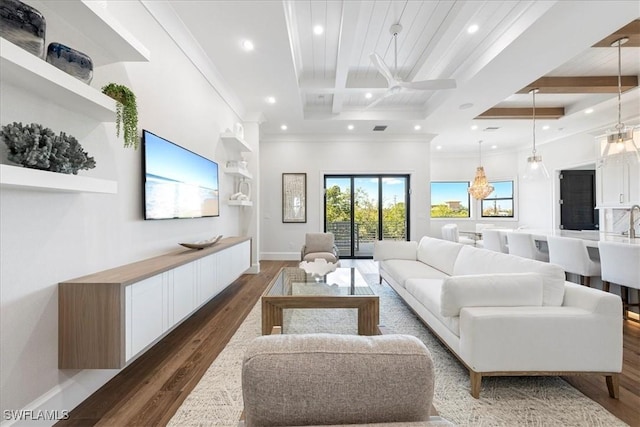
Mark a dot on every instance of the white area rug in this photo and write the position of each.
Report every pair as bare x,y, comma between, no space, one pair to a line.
504,401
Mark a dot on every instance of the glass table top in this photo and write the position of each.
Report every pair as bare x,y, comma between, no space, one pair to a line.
294,281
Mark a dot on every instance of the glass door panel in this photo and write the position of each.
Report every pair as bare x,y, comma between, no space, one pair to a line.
366,214
338,212
394,208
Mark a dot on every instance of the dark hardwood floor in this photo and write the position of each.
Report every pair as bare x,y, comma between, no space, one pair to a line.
150,390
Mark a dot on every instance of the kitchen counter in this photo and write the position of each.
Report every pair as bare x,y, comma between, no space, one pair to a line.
591,238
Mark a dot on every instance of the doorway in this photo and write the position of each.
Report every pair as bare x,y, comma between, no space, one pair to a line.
578,200
361,209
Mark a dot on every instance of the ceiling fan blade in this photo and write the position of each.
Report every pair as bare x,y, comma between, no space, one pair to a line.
377,101
382,68
430,84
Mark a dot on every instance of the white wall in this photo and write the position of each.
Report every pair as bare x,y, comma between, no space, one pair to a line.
51,237
317,158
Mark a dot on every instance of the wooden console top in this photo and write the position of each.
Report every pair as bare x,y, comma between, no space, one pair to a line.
140,270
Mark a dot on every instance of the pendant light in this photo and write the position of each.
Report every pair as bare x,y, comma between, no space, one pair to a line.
480,188
535,168
619,144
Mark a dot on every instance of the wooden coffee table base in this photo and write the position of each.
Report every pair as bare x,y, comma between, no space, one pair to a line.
368,309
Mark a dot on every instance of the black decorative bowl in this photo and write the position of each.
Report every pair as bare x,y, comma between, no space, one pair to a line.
71,61
23,26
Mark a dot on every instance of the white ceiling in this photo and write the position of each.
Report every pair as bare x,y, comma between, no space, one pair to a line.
320,81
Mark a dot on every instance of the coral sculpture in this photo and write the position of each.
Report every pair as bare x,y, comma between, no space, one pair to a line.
34,146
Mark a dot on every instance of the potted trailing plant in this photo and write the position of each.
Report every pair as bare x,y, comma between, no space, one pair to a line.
126,112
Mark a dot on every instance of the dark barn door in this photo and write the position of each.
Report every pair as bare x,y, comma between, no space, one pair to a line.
578,200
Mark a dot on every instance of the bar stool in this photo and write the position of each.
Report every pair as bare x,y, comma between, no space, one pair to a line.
450,232
494,240
621,265
479,229
523,244
571,254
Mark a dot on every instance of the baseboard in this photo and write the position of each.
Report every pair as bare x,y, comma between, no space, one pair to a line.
280,256
52,406
254,269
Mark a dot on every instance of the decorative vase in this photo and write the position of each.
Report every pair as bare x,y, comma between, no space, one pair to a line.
71,61
23,26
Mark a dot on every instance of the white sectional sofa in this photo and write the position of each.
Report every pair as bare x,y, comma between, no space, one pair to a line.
506,315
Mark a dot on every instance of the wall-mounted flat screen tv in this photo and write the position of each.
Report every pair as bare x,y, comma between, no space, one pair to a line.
178,183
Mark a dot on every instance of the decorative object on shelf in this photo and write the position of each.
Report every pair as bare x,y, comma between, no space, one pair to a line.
34,146
618,144
480,188
71,61
244,187
536,170
239,196
126,112
202,243
239,130
294,197
23,26
318,267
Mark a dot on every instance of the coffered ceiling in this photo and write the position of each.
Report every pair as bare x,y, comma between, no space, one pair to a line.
320,81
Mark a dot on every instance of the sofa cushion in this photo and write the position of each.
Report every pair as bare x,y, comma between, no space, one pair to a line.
481,261
490,290
427,292
393,249
438,253
402,269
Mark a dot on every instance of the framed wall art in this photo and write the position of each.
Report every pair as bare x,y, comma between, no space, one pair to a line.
294,197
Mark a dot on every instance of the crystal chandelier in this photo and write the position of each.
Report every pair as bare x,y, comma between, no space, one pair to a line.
480,188
619,143
536,170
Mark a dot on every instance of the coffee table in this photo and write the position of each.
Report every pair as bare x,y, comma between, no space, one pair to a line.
343,288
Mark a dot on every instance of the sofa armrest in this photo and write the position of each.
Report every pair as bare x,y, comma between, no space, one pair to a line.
593,300
394,249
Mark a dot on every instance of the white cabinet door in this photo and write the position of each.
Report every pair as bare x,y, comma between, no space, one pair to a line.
207,278
183,291
612,185
225,265
633,177
241,258
146,313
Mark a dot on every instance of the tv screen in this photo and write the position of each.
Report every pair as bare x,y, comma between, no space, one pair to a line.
177,182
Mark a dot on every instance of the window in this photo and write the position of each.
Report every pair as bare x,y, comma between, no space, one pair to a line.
450,199
500,202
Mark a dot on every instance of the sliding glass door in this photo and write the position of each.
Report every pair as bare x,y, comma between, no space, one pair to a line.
360,209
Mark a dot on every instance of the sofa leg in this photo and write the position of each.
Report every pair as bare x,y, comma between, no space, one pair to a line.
613,385
476,382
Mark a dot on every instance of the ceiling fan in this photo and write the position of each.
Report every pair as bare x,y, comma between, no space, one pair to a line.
394,82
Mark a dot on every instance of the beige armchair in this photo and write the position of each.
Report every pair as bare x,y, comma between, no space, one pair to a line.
330,379
319,245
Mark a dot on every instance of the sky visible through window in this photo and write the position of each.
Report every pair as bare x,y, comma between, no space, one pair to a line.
393,189
442,192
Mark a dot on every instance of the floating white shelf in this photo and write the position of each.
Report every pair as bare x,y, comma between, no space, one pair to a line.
233,144
27,71
34,179
238,172
240,203
104,38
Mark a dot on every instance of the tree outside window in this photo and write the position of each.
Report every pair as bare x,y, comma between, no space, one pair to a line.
450,199
500,202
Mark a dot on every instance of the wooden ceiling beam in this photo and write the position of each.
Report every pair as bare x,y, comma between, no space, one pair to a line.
631,30
586,84
544,113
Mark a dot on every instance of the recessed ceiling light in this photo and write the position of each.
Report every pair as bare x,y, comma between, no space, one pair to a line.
368,95
472,28
493,147
350,127
588,111
271,100
417,127
283,127
438,147
474,127
545,127
247,45
318,29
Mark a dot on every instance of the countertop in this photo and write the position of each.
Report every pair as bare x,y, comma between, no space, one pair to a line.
591,238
